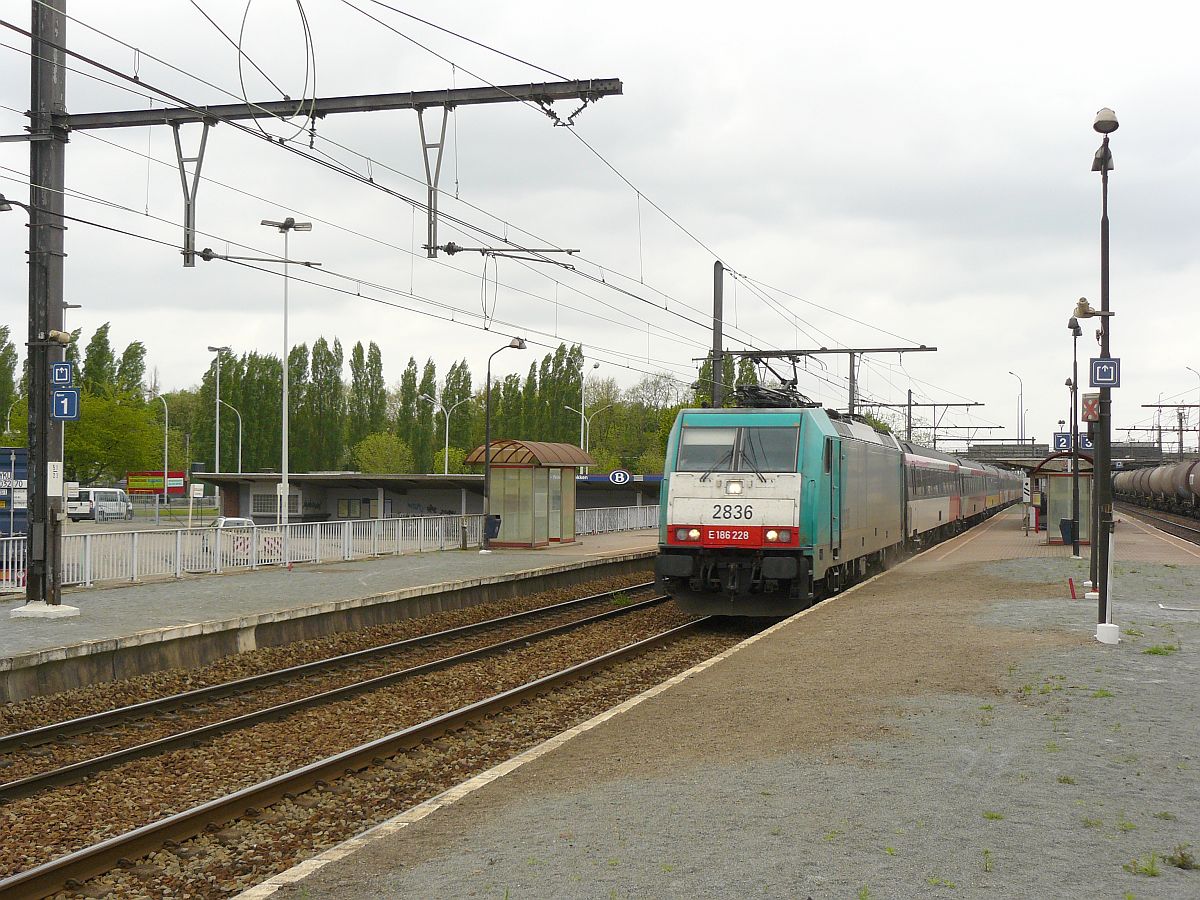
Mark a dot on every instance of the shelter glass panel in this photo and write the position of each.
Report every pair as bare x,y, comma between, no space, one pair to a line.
541,505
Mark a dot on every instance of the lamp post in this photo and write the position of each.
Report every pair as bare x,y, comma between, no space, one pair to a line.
47,338
588,433
1104,124
166,425
1020,408
1076,331
514,344
8,415
286,227
217,430
239,415
582,399
446,413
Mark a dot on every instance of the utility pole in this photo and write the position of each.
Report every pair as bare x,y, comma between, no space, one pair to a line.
853,352
48,132
908,418
1179,408
718,358
47,175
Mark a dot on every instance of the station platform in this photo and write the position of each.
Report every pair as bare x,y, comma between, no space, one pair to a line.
950,727
132,629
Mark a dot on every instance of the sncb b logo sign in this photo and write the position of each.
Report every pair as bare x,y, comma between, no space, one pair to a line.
620,476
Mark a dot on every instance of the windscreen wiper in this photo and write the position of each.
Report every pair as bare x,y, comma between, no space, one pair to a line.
720,462
748,459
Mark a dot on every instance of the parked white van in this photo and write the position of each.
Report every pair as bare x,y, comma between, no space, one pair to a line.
100,504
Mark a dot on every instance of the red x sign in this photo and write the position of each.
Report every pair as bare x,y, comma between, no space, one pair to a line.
1091,407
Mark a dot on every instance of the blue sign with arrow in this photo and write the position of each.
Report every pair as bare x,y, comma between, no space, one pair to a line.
1106,373
61,374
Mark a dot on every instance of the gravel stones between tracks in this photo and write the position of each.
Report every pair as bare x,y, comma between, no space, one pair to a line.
240,855
50,708
58,821
120,735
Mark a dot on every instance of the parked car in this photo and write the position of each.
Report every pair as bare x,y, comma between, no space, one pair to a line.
100,504
232,522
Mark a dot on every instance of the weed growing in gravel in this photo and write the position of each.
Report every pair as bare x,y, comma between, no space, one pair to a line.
776,831
1101,694
1182,857
941,882
988,864
1092,823
864,893
1133,633
1065,779
1161,649
1166,816
987,707
1052,747
890,851
992,816
1148,866
833,834
621,599
1125,825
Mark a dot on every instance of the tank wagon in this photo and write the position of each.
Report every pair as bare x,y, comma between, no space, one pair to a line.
1173,486
765,510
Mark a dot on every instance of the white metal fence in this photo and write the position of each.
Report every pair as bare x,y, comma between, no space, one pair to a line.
605,520
114,556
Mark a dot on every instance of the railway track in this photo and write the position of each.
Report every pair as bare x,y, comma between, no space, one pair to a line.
60,753
334,784
1179,526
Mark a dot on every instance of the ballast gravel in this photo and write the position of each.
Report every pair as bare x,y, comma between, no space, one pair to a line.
944,732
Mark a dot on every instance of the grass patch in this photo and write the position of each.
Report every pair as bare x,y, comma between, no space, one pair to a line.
1126,826
864,893
621,599
1065,779
1092,823
1182,857
1148,866
890,851
992,816
1052,747
941,882
1101,694
988,862
1161,650
832,834
1166,816
987,707
1133,632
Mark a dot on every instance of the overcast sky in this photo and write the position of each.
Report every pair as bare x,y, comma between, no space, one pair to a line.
915,173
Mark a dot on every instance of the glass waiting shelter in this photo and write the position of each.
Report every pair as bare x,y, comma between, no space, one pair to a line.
533,490
1052,480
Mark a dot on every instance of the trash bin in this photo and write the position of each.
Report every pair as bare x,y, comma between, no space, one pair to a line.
491,528
1067,529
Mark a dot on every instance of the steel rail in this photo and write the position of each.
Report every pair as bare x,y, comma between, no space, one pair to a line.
32,737
77,771
98,858
1171,526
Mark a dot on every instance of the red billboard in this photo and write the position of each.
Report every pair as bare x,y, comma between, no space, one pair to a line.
151,483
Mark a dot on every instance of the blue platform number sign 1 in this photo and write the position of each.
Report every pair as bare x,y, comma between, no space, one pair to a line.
61,374
64,405
620,476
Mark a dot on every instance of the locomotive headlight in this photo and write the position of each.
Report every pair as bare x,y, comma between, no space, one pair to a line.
785,536
681,534
772,535
694,534
733,487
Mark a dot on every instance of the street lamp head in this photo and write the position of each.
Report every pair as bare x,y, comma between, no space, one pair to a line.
1106,121
517,343
427,397
218,349
1083,309
5,206
1073,326
1069,383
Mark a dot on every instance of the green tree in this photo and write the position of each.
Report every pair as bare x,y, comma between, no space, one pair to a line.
383,453
457,455
376,391
99,363
300,428
456,389
113,436
423,428
8,371
406,414
324,406
131,370
357,398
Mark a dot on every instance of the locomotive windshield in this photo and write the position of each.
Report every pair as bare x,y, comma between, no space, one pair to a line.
738,450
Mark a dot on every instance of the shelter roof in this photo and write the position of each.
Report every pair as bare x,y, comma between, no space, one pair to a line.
510,452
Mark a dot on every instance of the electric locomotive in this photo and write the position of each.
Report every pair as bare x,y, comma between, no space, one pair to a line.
764,509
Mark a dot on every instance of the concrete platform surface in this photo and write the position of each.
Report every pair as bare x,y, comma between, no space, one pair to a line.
948,728
160,612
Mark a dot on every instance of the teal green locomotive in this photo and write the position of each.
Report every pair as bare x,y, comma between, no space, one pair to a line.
765,509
